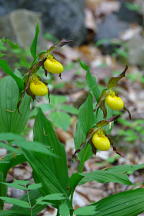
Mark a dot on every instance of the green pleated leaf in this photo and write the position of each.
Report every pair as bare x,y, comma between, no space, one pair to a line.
126,168
103,176
17,202
43,173
33,47
91,81
11,160
51,172
6,163
34,186
5,67
74,180
9,148
64,209
86,120
51,197
60,119
33,196
70,109
128,203
35,147
79,136
10,136
11,120
20,212
86,115
86,210
14,185
3,188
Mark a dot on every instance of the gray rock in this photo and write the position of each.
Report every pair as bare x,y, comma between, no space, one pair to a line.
141,6
16,193
19,26
62,18
135,48
111,28
6,6
128,15
108,30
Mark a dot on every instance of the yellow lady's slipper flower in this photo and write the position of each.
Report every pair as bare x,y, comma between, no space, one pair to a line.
100,141
38,88
53,66
114,102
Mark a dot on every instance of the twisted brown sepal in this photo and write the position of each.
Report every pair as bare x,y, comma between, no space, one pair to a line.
26,90
58,45
46,73
21,97
19,103
114,80
35,67
49,96
83,145
106,122
114,148
101,103
117,152
94,150
127,110
60,76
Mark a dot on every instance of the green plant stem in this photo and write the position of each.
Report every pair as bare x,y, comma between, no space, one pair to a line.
31,209
58,213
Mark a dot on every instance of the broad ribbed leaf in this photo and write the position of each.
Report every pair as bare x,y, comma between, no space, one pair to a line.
9,148
103,176
6,163
5,67
11,120
86,210
60,119
49,197
126,168
93,85
51,172
74,180
34,186
64,209
91,81
10,136
86,120
22,143
3,188
20,212
33,47
128,203
17,202
35,147
33,195
86,116
14,185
